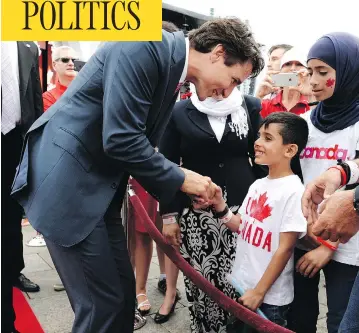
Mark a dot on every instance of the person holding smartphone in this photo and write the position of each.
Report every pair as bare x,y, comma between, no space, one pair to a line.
266,90
290,97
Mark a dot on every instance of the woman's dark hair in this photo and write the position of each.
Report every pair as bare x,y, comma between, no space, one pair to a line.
294,130
236,39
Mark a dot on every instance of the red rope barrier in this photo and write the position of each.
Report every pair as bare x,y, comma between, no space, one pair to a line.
239,311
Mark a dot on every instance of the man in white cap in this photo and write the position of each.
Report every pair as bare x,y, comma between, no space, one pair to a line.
265,88
290,99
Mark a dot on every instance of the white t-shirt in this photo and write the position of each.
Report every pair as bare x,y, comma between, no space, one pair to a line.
322,152
271,206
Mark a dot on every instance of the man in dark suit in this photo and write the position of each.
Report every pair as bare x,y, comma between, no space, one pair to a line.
21,104
75,165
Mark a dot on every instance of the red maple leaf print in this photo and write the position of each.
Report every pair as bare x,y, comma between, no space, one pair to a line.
330,83
259,210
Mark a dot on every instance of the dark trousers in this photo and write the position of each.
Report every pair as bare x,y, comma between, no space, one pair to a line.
350,322
304,311
99,279
12,261
274,313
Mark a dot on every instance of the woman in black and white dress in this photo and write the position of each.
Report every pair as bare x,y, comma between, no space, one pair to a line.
212,138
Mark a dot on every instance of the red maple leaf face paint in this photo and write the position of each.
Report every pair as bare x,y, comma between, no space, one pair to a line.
330,83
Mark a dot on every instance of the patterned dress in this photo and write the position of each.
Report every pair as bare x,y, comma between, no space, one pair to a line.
209,248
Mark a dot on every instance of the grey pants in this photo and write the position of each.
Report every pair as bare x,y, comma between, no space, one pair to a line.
99,279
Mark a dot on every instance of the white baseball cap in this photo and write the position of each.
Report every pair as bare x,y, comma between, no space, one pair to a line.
294,55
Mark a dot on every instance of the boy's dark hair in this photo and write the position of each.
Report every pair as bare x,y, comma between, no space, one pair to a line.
286,47
169,26
236,38
294,130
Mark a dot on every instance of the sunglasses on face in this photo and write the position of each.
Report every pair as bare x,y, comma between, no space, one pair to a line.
66,60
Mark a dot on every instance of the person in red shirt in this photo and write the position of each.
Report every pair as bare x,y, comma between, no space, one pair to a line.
290,98
63,58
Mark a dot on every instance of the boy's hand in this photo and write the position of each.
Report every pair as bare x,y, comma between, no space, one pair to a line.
218,198
313,261
252,299
199,203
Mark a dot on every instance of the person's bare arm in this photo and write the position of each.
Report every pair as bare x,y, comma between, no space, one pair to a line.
321,188
220,205
337,220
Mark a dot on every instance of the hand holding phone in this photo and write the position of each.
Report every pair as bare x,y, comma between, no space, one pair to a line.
266,86
285,80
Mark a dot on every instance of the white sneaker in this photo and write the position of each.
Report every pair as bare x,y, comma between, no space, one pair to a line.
37,241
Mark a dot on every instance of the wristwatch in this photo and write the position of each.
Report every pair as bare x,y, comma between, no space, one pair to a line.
356,199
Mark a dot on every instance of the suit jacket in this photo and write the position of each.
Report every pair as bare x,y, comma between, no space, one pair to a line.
190,137
30,86
104,127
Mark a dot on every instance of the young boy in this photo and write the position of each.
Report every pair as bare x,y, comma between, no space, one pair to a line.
270,219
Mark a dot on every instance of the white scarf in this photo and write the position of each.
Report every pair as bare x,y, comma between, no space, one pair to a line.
217,112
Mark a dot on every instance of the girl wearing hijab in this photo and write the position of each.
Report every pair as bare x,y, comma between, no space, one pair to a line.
333,65
214,138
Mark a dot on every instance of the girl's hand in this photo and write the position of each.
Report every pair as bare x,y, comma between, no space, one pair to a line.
313,261
252,299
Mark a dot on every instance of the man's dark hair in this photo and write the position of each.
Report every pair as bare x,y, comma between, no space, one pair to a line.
169,26
286,48
236,39
294,130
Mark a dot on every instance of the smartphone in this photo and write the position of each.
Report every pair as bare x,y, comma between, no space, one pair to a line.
285,80
79,64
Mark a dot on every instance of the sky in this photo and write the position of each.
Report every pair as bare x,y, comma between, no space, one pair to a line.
299,23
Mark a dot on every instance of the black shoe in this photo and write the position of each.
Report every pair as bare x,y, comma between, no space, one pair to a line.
24,284
162,287
161,318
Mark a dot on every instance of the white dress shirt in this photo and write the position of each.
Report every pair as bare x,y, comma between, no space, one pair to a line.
10,85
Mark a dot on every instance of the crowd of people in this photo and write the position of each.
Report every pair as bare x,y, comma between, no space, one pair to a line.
263,188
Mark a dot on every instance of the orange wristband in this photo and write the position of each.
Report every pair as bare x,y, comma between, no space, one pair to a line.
344,179
326,244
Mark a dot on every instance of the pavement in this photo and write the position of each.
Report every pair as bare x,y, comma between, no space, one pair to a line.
54,312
